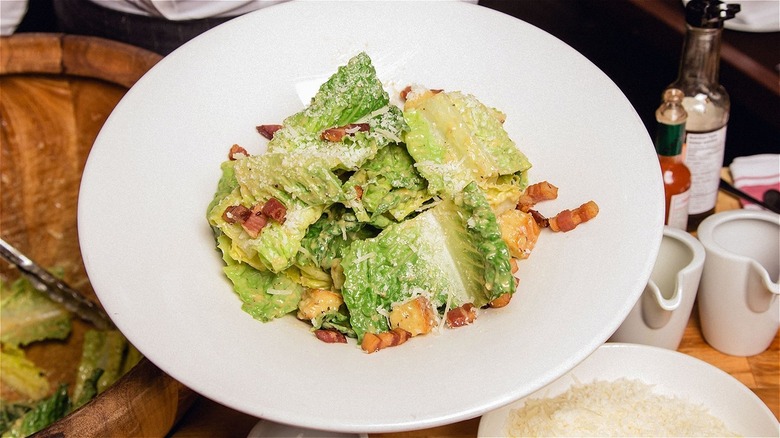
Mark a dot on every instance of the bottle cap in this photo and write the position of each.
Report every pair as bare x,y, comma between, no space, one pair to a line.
709,14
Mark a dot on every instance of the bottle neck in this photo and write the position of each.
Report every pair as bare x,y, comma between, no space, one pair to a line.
700,56
669,139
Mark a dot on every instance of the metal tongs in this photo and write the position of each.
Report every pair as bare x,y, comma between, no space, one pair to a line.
56,289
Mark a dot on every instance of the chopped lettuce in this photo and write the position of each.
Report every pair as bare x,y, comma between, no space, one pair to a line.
10,412
88,388
455,139
387,188
21,374
386,127
27,315
452,254
337,320
41,415
264,295
288,177
322,247
349,94
104,351
354,94
275,248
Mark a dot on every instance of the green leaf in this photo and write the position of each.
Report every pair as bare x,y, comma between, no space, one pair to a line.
43,414
21,374
455,139
27,315
349,94
452,254
103,350
386,186
265,295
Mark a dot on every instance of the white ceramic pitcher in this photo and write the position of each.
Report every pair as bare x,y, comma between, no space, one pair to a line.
660,315
738,295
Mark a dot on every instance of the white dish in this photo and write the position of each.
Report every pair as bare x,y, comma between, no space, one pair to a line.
269,429
154,167
669,373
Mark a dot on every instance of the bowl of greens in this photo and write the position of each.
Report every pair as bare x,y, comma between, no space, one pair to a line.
59,373
268,210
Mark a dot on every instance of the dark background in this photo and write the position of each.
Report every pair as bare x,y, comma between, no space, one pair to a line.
640,54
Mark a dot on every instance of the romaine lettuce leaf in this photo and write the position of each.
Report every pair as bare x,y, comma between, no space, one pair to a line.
335,320
354,94
303,184
387,188
43,414
287,177
103,350
452,254
264,295
21,374
27,315
349,94
322,247
455,139
386,127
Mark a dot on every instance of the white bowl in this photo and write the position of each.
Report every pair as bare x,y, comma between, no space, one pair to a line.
670,373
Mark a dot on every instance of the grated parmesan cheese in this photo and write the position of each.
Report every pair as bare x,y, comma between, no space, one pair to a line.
619,408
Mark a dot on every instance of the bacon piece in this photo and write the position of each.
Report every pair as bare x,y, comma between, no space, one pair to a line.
236,151
542,221
405,92
236,213
388,339
336,135
568,220
330,336
255,222
375,342
268,131
403,335
535,193
274,209
462,315
371,343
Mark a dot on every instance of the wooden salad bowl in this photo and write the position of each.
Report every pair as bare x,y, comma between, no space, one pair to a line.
56,91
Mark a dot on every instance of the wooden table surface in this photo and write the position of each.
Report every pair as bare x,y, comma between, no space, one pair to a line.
760,373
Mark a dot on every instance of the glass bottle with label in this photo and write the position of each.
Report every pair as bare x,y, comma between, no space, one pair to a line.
670,132
705,101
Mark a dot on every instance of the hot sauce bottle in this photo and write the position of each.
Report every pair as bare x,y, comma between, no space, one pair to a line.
669,137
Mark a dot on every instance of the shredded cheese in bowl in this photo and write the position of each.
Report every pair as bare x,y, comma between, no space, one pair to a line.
618,408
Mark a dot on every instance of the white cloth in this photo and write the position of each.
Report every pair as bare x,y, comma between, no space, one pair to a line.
177,10
756,15
755,175
11,14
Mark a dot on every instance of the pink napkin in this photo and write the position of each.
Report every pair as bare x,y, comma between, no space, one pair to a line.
755,175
